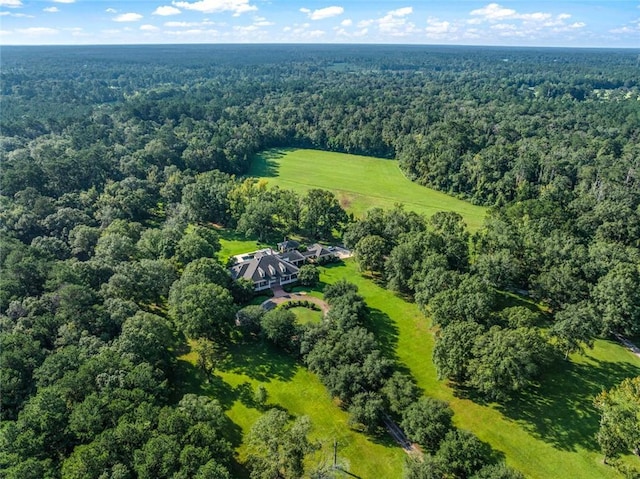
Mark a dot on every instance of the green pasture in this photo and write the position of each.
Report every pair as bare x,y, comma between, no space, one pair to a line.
232,244
360,182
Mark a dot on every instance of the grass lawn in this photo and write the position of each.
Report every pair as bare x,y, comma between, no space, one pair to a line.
232,244
360,182
546,433
291,386
306,315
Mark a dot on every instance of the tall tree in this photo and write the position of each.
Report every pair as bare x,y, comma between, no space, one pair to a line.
276,447
619,408
322,213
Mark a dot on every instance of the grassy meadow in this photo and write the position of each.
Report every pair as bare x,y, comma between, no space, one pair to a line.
359,182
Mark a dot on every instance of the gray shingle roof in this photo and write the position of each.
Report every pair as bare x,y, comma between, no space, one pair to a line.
291,256
263,267
287,245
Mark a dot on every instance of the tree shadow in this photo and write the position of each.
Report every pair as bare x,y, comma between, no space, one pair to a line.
265,164
260,361
232,433
185,378
385,330
216,387
560,410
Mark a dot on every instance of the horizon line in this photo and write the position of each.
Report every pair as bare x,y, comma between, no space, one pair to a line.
304,44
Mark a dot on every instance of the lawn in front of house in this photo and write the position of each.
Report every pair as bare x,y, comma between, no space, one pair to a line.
306,315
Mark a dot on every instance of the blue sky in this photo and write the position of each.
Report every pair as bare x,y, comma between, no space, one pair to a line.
573,23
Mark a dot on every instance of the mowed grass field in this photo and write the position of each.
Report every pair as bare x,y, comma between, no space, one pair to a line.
359,182
291,387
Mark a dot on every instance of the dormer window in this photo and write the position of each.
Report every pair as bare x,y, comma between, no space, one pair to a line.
272,270
261,272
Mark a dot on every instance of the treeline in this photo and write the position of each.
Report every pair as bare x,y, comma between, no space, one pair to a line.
590,283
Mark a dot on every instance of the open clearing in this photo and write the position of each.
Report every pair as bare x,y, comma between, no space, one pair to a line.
359,182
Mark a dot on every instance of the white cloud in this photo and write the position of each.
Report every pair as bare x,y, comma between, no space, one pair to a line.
10,3
316,33
365,23
37,31
238,7
196,33
64,1
204,23
504,27
180,24
166,10
111,10
148,28
17,15
493,11
51,10
633,27
507,22
394,22
401,12
128,17
322,13
346,23
435,27
263,23
496,13
5,32
245,29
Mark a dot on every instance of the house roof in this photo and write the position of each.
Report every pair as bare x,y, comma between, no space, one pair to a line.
288,244
263,266
292,256
316,251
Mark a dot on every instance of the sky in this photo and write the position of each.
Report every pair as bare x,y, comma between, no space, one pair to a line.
560,23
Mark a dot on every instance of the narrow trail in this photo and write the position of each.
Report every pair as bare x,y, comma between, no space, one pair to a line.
399,436
628,344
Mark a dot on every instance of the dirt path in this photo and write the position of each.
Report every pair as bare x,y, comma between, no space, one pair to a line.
398,435
629,345
285,298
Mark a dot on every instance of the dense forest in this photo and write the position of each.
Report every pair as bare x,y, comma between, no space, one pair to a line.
120,164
